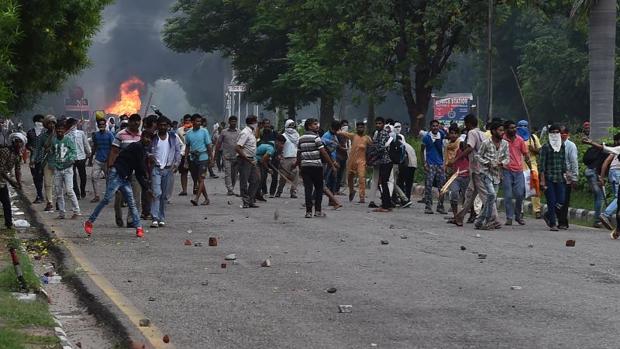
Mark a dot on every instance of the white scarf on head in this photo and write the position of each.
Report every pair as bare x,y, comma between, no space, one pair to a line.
38,128
555,141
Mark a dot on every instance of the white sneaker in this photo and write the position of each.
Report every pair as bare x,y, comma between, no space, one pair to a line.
162,224
155,224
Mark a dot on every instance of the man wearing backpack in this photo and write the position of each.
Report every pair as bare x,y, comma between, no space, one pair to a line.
398,155
432,150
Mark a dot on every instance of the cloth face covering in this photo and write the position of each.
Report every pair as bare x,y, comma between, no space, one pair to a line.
555,140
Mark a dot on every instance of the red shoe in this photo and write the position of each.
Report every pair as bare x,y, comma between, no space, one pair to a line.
139,232
88,227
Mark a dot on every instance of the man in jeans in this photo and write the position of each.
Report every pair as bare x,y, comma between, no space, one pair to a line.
226,143
432,150
611,164
593,159
166,155
493,154
289,155
129,162
63,156
122,140
34,136
513,181
82,149
552,175
102,145
248,172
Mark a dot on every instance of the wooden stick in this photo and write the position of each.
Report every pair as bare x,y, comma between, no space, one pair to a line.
527,113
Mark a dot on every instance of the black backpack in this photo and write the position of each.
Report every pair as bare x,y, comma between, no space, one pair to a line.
396,151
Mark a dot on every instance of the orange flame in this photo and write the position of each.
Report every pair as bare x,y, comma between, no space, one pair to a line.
129,98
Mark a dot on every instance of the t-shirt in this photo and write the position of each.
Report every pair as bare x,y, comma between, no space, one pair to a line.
197,141
433,148
124,138
517,149
331,143
161,151
474,139
247,140
308,148
103,143
228,139
263,149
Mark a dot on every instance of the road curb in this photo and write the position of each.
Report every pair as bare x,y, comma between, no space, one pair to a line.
94,301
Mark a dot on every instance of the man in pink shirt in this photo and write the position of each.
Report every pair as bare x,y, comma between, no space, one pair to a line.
513,181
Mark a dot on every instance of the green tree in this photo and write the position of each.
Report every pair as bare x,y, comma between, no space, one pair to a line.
41,45
602,61
254,35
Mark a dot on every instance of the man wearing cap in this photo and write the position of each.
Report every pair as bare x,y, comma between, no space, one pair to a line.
289,155
10,160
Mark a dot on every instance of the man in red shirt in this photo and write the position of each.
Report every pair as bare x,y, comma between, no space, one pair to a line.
513,181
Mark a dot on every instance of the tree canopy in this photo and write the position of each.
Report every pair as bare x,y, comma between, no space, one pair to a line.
42,43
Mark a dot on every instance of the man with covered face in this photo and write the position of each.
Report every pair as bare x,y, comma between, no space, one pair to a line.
553,169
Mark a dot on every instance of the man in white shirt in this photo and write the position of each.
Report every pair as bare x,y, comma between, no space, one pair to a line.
289,154
83,152
248,175
166,156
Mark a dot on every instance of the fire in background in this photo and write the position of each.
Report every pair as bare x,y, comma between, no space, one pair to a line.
128,101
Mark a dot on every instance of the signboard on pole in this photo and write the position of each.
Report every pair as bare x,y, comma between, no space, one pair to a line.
236,88
452,107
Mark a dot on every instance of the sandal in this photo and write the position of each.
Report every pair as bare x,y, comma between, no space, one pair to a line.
194,202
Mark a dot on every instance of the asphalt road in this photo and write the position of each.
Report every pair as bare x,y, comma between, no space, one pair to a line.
419,291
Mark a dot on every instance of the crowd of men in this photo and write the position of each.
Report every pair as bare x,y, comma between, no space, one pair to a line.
136,159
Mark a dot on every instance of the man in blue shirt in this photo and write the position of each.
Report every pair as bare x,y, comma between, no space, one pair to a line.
432,150
102,144
330,140
265,154
199,151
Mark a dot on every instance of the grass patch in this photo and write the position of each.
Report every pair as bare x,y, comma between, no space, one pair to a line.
18,319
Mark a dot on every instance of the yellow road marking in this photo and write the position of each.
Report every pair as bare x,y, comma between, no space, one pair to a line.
152,334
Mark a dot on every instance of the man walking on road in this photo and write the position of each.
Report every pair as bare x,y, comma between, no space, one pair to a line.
130,160
10,159
572,175
289,154
493,154
34,136
122,140
533,144
199,152
82,149
513,180
226,144
248,172
552,171
383,165
183,169
166,152
356,163
63,156
102,145
432,150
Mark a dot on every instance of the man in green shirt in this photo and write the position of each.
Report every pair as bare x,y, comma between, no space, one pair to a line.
62,158
552,167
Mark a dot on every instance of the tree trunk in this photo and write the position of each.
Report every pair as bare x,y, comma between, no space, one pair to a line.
602,39
327,112
291,110
370,119
412,107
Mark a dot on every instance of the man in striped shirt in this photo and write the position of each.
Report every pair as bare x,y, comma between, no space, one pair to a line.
121,141
310,150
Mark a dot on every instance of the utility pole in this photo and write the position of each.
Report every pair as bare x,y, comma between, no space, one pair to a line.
490,63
